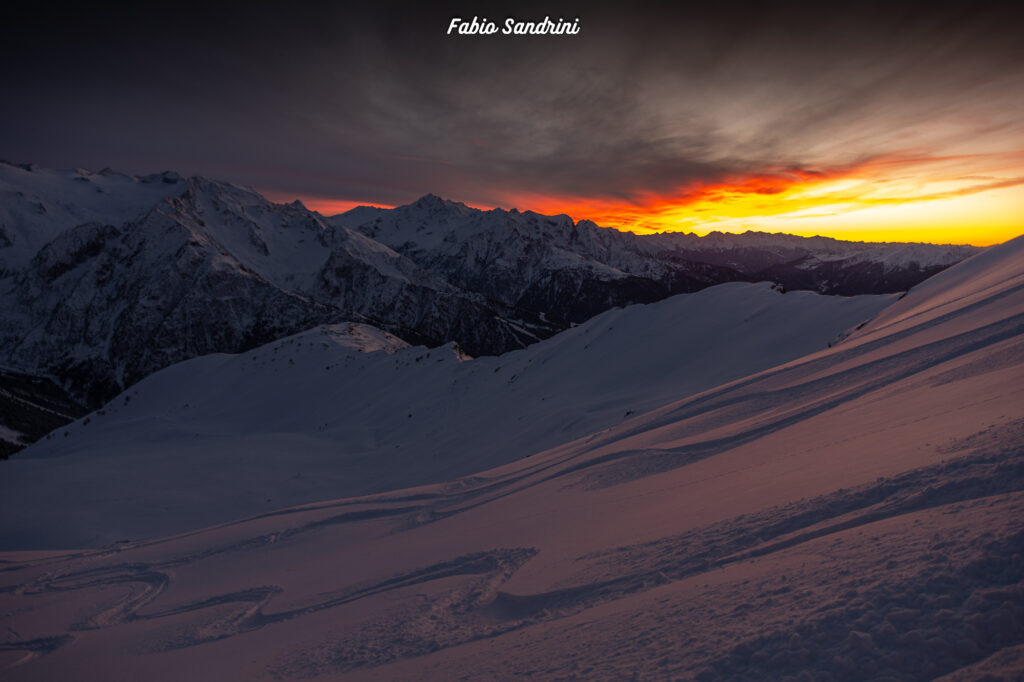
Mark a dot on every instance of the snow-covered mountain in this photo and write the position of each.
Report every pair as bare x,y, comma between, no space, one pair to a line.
854,513
207,268
576,269
38,204
348,410
106,278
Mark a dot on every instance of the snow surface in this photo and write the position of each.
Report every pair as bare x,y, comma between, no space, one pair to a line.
856,513
992,274
322,414
37,204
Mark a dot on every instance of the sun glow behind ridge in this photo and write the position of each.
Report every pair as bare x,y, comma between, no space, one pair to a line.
889,199
957,199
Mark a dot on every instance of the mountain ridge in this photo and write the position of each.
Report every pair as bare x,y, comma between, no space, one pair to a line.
106,277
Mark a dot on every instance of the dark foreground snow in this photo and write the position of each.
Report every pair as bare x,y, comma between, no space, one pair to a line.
854,514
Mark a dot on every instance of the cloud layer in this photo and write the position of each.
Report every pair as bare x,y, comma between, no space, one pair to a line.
643,106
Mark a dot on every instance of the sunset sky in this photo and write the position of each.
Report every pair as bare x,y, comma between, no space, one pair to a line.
868,121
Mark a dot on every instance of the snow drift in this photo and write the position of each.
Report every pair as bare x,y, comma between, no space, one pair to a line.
854,513
348,410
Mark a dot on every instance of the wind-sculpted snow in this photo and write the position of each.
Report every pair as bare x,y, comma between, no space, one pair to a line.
855,513
320,415
886,576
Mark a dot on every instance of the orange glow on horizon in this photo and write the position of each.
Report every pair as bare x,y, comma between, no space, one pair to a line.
322,205
329,207
956,199
865,203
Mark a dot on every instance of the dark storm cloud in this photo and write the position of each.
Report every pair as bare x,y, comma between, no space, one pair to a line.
377,104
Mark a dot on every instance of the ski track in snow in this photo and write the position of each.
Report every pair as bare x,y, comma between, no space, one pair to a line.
985,592
908,564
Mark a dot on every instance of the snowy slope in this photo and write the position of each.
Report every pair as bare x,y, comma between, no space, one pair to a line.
317,416
37,204
857,513
992,274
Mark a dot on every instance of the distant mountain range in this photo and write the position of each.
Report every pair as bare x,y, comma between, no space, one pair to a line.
106,278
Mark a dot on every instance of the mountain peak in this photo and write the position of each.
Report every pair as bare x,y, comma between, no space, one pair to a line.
167,177
433,202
